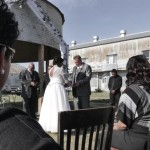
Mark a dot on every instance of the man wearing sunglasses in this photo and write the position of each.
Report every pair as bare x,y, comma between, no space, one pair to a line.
18,131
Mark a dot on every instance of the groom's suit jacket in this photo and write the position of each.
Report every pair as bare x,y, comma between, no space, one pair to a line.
83,76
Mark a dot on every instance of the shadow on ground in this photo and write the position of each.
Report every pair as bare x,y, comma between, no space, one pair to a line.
95,103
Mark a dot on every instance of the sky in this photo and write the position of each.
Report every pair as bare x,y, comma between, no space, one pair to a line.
104,18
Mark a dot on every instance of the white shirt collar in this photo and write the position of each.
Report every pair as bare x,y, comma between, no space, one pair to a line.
80,67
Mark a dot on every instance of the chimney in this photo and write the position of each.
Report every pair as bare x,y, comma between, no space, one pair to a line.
122,33
95,38
73,43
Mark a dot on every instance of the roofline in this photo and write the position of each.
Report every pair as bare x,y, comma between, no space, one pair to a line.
112,40
62,15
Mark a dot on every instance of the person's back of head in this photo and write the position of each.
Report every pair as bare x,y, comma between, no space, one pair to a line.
8,26
138,71
58,61
8,34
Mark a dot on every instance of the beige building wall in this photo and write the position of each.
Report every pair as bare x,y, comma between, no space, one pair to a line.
105,55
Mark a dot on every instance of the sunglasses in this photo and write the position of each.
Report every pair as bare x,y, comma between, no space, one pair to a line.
9,52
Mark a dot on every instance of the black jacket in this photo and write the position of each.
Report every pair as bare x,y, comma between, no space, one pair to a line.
115,83
18,131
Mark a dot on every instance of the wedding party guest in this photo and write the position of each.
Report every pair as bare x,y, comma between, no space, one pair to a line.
81,76
132,130
30,82
114,86
55,97
43,84
18,131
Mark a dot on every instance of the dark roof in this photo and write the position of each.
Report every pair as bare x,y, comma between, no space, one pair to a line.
62,15
112,40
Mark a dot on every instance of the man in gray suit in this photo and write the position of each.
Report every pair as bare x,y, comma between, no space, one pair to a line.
30,82
82,74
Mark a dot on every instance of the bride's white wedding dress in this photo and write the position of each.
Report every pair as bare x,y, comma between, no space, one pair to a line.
55,100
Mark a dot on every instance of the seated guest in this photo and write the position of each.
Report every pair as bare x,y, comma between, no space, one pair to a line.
18,131
131,130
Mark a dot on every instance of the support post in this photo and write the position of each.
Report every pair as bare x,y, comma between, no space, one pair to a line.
47,64
98,81
41,71
41,59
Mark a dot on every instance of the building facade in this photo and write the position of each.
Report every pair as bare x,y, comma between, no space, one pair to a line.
105,55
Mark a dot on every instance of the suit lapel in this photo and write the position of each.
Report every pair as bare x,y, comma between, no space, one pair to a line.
79,70
28,76
74,74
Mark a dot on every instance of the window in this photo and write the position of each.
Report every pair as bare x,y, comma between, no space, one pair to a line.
84,60
147,54
104,80
111,59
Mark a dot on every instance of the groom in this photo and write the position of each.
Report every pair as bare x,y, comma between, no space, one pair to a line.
81,76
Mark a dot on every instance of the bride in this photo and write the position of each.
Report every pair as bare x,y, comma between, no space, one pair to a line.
55,97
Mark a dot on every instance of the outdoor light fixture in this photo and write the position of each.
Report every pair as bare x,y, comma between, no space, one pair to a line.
20,5
46,18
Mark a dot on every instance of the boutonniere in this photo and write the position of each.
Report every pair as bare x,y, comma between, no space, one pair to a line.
81,67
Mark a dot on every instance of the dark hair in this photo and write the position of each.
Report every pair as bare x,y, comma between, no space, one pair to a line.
77,57
8,26
57,60
114,70
138,71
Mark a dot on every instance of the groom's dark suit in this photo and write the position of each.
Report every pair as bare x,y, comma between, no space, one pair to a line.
82,75
29,92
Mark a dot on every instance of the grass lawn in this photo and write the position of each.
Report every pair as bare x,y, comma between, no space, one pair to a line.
96,98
